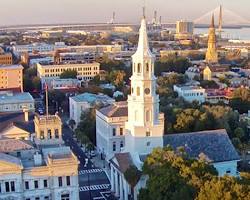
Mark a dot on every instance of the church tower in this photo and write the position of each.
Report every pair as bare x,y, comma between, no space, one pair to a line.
211,55
145,125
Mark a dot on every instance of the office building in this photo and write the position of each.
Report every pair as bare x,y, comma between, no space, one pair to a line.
11,77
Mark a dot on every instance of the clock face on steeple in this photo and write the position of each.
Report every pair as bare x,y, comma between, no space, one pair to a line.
147,90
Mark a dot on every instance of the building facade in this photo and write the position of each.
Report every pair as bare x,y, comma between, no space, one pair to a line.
110,129
85,72
16,102
5,59
11,76
80,103
191,93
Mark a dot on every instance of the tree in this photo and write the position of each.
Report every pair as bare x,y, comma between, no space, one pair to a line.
69,74
132,176
227,188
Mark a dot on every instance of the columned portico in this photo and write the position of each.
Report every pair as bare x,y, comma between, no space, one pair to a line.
112,179
116,184
121,187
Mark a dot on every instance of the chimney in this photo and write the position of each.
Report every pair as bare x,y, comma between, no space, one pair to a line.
26,114
37,159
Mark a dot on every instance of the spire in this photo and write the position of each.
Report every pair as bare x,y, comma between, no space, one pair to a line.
212,22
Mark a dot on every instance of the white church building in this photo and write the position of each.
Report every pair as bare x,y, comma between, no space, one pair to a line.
128,132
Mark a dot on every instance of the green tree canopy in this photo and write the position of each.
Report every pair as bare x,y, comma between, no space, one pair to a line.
68,74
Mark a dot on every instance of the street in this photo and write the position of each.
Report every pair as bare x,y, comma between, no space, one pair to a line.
93,182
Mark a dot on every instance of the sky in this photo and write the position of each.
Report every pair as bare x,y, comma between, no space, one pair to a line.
16,12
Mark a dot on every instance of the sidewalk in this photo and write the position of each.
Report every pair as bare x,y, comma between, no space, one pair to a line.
103,164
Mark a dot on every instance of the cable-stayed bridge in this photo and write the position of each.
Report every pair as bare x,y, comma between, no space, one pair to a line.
229,18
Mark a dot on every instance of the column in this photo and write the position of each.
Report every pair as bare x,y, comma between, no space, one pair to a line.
121,187
116,184
112,179
125,186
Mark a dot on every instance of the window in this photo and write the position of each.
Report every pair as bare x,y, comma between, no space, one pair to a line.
147,67
37,198
46,198
60,181
68,180
148,143
27,185
121,131
41,135
121,144
138,91
36,184
228,171
12,186
56,133
147,133
18,154
139,68
0,188
114,146
27,199
49,134
65,197
45,183
114,131
7,186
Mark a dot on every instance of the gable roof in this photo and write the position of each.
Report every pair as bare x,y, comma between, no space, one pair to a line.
215,144
124,161
118,109
10,145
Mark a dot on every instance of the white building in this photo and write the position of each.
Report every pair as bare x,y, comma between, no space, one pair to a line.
85,101
193,72
191,93
44,176
110,129
16,102
61,84
41,47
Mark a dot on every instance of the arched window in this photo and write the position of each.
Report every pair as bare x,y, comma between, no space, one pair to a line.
139,68
138,91
147,116
147,67
132,90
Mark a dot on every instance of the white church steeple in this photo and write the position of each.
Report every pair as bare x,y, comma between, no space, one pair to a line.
145,124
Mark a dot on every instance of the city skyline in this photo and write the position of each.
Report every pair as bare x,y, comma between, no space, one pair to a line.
78,11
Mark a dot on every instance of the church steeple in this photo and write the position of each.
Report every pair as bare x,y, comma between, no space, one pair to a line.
211,55
145,124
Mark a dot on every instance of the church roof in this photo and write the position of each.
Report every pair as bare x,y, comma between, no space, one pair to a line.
10,145
118,109
124,161
215,144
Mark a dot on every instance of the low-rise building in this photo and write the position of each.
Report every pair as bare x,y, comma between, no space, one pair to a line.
110,129
85,71
6,59
16,102
61,84
193,72
191,93
11,76
40,47
85,101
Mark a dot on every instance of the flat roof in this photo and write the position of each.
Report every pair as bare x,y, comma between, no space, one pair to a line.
15,97
70,65
11,67
89,97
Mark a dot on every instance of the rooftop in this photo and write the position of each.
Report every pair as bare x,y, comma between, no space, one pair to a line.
92,98
215,144
11,67
9,97
11,145
10,159
118,109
